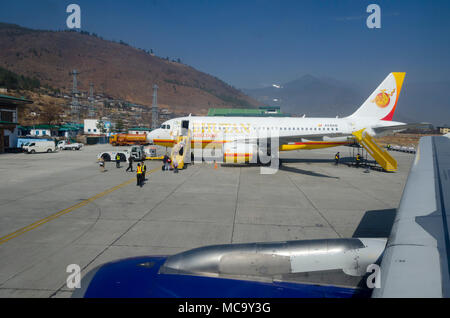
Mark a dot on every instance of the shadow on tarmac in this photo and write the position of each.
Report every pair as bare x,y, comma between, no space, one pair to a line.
305,172
311,160
376,223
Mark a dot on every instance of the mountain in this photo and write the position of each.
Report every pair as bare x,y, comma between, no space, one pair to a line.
327,97
318,97
116,69
426,102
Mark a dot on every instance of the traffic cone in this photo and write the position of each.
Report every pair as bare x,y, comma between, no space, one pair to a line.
215,165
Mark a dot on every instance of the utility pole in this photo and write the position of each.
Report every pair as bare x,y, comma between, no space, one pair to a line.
75,106
155,113
91,113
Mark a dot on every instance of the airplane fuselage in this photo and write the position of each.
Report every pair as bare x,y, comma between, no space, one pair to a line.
293,132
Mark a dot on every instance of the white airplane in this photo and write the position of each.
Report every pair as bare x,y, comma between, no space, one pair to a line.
235,134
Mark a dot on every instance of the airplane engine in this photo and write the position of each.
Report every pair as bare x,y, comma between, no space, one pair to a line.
352,256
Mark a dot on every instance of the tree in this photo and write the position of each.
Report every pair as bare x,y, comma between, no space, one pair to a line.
51,114
119,125
12,80
101,126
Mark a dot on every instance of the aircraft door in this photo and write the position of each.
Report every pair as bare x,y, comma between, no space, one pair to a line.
184,127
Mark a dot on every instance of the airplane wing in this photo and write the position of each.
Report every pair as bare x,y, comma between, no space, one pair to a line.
395,128
318,137
416,262
378,130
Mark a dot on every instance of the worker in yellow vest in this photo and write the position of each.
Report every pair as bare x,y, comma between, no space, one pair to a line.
358,160
336,158
139,175
117,161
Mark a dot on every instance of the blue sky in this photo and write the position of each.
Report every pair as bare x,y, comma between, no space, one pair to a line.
252,43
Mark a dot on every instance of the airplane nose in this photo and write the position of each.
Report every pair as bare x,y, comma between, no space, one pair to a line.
154,134
150,136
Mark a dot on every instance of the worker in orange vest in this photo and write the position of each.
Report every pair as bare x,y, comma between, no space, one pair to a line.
139,175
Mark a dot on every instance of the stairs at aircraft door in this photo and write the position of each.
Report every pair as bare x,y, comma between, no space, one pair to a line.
181,150
381,156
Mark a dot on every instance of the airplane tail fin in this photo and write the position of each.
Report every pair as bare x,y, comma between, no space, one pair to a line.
382,102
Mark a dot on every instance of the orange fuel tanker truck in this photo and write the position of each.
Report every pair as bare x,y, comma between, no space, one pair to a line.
128,139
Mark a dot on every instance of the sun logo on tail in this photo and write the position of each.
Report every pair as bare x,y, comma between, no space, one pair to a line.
383,98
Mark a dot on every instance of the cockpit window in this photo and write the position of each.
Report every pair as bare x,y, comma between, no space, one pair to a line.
168,127
165,126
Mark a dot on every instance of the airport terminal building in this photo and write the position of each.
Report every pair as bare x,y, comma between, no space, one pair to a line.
9,115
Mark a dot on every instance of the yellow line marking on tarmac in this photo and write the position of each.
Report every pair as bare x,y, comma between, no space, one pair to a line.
36,224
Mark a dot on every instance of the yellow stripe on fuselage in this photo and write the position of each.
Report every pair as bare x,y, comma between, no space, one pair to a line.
286,147
310,145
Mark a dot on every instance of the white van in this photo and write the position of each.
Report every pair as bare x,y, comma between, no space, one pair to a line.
40,146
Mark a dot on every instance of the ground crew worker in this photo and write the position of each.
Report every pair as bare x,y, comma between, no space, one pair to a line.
139,175
164,167
182,144
358,160
336,158
175,165
117,161
101,163
144,169
130,164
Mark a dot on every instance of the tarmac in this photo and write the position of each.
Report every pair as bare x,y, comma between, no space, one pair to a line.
58,209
